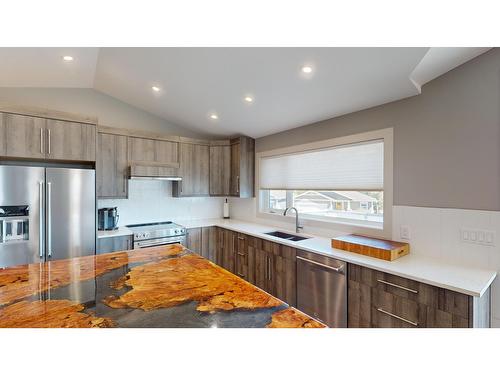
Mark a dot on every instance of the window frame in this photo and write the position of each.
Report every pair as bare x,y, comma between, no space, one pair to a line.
340,224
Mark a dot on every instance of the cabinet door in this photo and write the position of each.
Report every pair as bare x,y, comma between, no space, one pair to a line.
71,141
141,149
262,269
220,170
112,166
112,244
243,167
166,152
284,275
207,237
24,136
219,246
229,250
2,134
235,169
193,240
194,165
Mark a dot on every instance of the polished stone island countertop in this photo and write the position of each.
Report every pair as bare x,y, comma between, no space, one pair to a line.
164,286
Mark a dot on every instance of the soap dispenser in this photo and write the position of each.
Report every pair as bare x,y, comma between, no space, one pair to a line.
226,210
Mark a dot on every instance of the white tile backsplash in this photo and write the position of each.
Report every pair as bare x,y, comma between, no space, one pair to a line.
435,232
151,200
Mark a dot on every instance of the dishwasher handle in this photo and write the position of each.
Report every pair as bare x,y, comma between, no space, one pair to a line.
339,269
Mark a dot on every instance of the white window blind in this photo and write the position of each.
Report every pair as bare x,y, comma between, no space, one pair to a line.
357,166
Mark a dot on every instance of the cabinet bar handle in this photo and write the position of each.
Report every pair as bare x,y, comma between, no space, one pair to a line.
268,268
41,140
241,238
49,142
336,269
240,274
241,254
397,317
398,286
238,184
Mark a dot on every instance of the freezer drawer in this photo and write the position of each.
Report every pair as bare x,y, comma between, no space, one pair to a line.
322,288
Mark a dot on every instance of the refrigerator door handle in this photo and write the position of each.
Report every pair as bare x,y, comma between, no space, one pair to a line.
49,219
40,235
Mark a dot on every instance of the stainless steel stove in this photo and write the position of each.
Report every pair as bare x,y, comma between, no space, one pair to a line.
156,234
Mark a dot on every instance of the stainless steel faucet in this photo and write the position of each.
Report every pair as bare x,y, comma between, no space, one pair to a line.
297,226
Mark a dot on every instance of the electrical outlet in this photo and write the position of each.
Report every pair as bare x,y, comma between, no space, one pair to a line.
478,236
404,232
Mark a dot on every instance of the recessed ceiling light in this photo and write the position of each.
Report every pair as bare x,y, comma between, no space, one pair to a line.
214,116
307,69
248,99
68,58
155,88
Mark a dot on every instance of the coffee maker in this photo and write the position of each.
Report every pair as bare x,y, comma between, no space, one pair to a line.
108,218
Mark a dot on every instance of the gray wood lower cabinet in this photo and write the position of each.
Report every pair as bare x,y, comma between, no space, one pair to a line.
202,241
381,300
268,265
112,244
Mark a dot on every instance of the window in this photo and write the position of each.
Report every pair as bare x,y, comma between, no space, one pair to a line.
343,180
353,205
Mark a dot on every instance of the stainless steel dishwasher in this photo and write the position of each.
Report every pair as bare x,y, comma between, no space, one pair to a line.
322,288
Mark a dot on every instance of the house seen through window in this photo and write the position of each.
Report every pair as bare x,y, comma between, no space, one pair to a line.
355,205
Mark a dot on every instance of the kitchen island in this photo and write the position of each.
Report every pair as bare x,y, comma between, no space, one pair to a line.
164,286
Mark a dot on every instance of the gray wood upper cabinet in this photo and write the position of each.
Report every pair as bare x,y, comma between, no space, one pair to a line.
167,152
112,165
220,170
242,167
150,150
22,136
141,149
39,138
2,134
194,167
71,141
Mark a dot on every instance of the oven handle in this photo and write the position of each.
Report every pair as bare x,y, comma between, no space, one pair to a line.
158,242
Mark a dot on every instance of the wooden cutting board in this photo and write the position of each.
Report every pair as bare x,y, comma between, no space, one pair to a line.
372,247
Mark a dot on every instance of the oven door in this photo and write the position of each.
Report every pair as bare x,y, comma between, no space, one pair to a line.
160,241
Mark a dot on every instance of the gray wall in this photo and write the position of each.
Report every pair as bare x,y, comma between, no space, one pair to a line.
446,140
110,111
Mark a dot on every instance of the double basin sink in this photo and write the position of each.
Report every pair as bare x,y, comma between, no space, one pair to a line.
286,236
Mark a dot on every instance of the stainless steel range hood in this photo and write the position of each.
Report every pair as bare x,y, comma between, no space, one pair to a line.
154,171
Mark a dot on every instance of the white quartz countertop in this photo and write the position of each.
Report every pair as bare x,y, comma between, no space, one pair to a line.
120,231
459,278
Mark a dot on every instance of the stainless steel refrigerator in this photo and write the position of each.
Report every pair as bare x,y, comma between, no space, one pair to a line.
46,214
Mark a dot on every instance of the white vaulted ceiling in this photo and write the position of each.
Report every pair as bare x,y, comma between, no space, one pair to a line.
196,82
